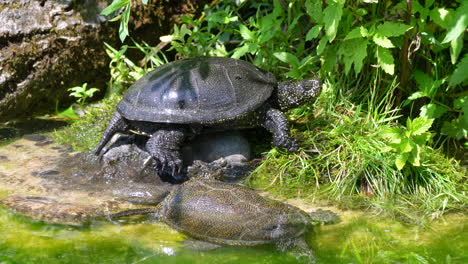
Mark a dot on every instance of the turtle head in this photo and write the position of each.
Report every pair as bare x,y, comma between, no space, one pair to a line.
293,93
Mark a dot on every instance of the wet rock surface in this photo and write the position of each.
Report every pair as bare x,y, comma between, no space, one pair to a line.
48,46
50,183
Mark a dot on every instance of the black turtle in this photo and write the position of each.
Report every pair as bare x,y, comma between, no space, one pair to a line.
195,95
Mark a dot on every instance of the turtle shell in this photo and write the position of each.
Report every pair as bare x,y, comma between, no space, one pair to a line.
197,90
230,214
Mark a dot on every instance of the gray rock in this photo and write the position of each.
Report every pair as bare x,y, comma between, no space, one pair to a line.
48,46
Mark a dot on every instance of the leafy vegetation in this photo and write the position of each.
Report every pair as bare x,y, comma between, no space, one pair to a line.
82,93
383,63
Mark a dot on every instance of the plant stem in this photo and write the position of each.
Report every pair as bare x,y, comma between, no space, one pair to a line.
405,67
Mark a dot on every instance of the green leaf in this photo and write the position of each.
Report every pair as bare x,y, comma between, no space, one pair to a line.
456,46
442,17
314,10
417,95
392,29
423,81
461,102
240,51
382,41
145,2
329,59
68,113
432,111
385,60
461,72
461,22
457,128
419,125
331,18
246,33
393,134
322,44
287,57
123,29
422,139
358,32
400,160
353,51
115,6
405,145
415,157
313,32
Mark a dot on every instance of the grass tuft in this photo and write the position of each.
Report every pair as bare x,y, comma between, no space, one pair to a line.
343,159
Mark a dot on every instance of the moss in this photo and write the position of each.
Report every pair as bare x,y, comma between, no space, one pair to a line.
84,134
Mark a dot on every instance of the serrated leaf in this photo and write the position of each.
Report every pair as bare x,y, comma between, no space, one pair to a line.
331,19
392,29
432,111
245,32
400,160
461,22
461,72
385,60
313,32
287,57
353,51
382,41
419,125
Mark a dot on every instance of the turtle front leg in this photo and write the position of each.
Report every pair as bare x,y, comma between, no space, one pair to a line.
277,124
116,124
164,146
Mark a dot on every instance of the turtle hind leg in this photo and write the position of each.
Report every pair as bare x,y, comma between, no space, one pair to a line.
116,124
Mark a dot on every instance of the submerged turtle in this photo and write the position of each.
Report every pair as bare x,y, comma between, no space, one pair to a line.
191,96
227,213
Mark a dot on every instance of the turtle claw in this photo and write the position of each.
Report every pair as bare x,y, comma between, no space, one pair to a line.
168,160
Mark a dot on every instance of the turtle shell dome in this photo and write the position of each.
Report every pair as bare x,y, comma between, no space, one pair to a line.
197,90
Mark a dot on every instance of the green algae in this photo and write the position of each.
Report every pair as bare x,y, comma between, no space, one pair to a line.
358,238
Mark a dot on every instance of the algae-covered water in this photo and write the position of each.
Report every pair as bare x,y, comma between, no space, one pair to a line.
356,239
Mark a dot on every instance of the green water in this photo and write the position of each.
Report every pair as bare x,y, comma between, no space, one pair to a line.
356,239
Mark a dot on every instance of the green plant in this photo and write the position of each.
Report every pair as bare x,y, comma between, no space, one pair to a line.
82,93
409,142
124,16
124,72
